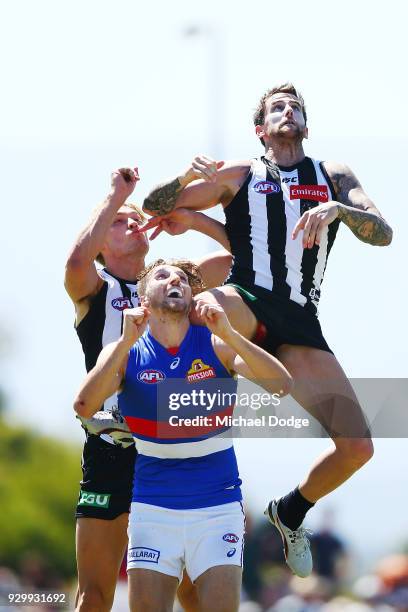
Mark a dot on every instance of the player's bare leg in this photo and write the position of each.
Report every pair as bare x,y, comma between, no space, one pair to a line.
322,388
151,591
187,595
100,546
219,589
239,315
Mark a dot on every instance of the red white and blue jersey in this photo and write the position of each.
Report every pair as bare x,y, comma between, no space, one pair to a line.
181,466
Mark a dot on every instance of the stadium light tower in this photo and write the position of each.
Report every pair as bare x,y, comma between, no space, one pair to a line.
216,84
216,100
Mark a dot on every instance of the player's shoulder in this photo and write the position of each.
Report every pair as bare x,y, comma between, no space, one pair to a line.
233,175
235,167
336,169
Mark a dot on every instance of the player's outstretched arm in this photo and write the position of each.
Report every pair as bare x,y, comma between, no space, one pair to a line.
81,279
204,184
108,374
356,210
181,220
242,356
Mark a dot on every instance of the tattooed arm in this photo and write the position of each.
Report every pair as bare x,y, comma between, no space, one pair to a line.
204,184
355,208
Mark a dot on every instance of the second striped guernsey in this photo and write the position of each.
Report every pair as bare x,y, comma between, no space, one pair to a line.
259,222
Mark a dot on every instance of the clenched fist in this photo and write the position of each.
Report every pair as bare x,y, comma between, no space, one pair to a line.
134,324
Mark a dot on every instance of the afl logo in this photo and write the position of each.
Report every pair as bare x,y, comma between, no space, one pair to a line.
151,377
230,537
121,303
266,187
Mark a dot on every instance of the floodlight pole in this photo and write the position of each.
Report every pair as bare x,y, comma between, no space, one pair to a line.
216,86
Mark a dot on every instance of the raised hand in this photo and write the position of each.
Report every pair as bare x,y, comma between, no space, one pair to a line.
123,181
203,167
214,317
313,222
134,323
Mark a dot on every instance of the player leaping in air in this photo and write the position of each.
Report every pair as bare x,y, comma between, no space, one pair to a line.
282,214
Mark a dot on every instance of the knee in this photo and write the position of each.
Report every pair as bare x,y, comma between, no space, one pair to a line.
356,451
95,599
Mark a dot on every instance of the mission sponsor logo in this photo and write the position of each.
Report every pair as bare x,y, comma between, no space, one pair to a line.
266,187
139,553
316,193
121,303
151,377
200,371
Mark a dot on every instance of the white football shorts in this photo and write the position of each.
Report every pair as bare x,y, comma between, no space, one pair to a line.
167,541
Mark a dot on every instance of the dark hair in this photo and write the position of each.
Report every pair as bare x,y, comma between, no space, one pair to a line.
142,217
192,271
289,88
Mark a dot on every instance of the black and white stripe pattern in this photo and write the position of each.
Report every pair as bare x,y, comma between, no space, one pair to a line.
103,323
259,223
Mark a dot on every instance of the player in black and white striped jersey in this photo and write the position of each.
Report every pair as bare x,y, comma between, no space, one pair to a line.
282,214
100,295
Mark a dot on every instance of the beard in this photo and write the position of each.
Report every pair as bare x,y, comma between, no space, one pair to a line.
295,134
169,306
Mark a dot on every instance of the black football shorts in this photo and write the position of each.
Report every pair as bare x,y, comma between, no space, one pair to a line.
107,479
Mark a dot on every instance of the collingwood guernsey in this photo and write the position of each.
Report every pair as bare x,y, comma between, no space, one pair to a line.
259,223
103,324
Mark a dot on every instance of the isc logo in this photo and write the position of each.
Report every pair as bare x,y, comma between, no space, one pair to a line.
121,303
151,376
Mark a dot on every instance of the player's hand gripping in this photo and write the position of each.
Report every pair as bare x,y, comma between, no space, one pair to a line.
134,324
123,182
175,223
202,167
313,222
214,317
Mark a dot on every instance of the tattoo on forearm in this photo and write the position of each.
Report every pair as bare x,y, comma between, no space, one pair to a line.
162,200
362,218
366,225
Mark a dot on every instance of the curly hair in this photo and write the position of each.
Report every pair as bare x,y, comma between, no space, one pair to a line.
195,280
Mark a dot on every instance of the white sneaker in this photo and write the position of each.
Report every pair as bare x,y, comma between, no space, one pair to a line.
296,545
108,424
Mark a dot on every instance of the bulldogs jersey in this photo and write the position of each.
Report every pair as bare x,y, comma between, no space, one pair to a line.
180,467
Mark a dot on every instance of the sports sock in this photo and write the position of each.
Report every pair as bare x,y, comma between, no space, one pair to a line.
292,509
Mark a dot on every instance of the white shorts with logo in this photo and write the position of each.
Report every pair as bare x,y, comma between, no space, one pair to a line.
167,541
